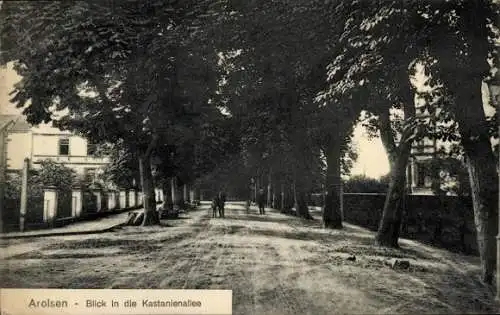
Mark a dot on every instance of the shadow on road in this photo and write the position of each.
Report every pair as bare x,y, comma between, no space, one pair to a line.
259,218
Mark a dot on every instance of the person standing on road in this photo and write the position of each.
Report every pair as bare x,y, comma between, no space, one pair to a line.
247,206
215,206
261,200
222,201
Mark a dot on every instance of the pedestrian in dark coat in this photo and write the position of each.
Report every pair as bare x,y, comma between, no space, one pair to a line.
261,200
222,201
215,206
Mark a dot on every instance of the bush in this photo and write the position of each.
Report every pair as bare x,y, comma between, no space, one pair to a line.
363,184
49,174
452,176
13,185
57,175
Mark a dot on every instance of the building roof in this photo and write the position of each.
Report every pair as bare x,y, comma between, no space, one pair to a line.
15,123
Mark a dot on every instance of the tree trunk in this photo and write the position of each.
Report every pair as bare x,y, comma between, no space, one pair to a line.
465,86
332,217
294,195
288,198
185,194
301,204
167,192
269,191
192,196
390,223
255,191
300,199
250,191
481,165
273,203
282,199
197,192
150,214
484,190
179,194
173,191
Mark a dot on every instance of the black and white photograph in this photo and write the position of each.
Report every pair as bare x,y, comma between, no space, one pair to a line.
314,157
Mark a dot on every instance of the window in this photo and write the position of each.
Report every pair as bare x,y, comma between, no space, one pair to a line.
64,146
421,175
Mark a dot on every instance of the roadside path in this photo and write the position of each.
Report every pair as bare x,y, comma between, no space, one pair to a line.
80,227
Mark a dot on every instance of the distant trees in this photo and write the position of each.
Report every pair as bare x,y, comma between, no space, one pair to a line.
363,184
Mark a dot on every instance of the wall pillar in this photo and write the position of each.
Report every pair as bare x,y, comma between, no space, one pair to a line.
24,194
111,200
131,198
123,201
414,173
191,195
76,202
49,204
185,193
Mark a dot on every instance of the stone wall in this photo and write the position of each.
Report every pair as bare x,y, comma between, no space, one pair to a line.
444,221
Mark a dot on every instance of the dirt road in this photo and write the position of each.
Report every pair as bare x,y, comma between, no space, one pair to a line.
275,264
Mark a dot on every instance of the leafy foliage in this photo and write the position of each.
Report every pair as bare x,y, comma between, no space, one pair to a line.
363,184
449,169
123,170
50,173
54,174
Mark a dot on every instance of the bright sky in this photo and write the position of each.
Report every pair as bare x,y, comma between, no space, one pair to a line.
372,159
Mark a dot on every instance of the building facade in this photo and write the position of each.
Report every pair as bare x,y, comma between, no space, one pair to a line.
44,142
420,179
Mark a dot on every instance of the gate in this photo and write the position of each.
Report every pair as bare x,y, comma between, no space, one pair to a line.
89,202
64,204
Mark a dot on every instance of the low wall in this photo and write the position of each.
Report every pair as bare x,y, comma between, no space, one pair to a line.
9,218
444,221
10,215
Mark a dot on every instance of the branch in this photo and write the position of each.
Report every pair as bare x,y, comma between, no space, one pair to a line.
109,104
386,135
410,128
410,131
